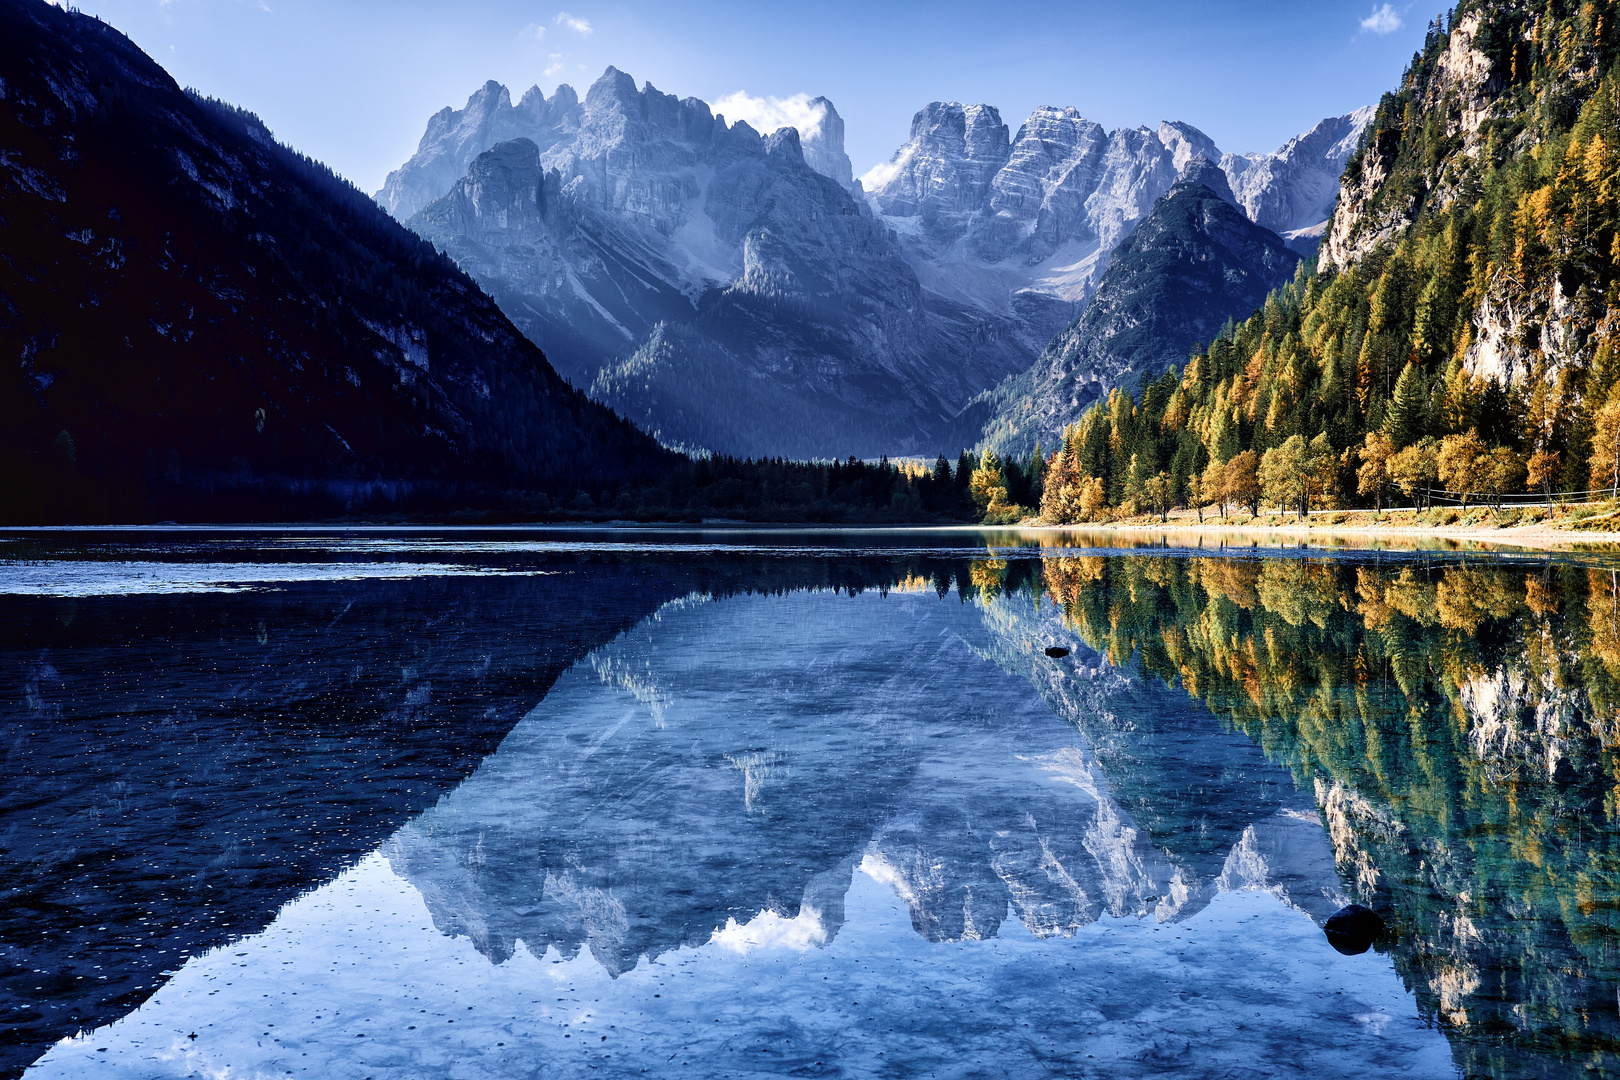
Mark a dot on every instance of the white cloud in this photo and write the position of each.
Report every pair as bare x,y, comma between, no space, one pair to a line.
1383,20
555,68
768,930
766,114
579,26
535,30
878,176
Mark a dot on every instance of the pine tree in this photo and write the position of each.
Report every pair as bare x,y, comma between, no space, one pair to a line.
1403,420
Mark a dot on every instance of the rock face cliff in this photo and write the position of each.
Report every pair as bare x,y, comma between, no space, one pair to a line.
1292,192
1027,225
823,144
706,281
1487,187
1195,261
1457,92
453,138
205,324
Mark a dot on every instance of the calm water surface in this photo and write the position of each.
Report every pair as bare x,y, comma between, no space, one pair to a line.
568,803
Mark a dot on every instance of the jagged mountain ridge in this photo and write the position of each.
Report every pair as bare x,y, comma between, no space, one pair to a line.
1195,261
454,137
1293,191
1029,224
695,276
210,325
708,283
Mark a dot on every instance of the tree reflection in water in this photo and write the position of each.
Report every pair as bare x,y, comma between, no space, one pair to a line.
1454,720
1459,724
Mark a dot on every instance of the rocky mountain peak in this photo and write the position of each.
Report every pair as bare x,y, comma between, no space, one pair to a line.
534,104
1032,229
943,173
785,142
615,109
1292,191
1201,170
505,179
454,137
823,144
973,132
1192,263
1185,142
614,89
709,282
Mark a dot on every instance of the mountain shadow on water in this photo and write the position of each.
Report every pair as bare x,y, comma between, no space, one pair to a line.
207,325
155,811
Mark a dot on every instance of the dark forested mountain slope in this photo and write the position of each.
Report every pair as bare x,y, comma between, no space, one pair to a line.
203,323
1192,264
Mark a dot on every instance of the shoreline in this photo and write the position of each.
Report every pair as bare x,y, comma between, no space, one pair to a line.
1352,526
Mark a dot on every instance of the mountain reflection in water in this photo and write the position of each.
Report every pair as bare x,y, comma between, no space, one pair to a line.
767,807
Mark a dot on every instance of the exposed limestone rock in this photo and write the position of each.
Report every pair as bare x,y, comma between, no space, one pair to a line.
1029,227
1193,263
701,278
1463,93
1292,191
453,138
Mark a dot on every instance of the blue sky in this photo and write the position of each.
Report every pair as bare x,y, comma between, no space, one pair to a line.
352,83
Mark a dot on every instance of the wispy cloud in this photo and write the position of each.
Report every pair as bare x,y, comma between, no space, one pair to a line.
1383,20
878,176
556,67
535,31
579,26
768,113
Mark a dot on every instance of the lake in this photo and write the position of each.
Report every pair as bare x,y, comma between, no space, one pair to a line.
466,803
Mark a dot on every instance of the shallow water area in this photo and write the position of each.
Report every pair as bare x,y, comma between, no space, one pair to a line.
488,805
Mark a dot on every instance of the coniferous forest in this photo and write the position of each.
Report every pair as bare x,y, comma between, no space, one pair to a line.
1456,334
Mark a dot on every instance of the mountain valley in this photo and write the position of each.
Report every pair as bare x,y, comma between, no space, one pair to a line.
737,291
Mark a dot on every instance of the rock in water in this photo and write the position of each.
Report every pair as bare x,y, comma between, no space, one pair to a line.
1352,929
1057,651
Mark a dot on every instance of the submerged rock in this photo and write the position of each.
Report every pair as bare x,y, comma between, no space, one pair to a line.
1352,929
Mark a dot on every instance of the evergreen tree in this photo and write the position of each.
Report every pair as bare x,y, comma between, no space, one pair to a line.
1403,420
